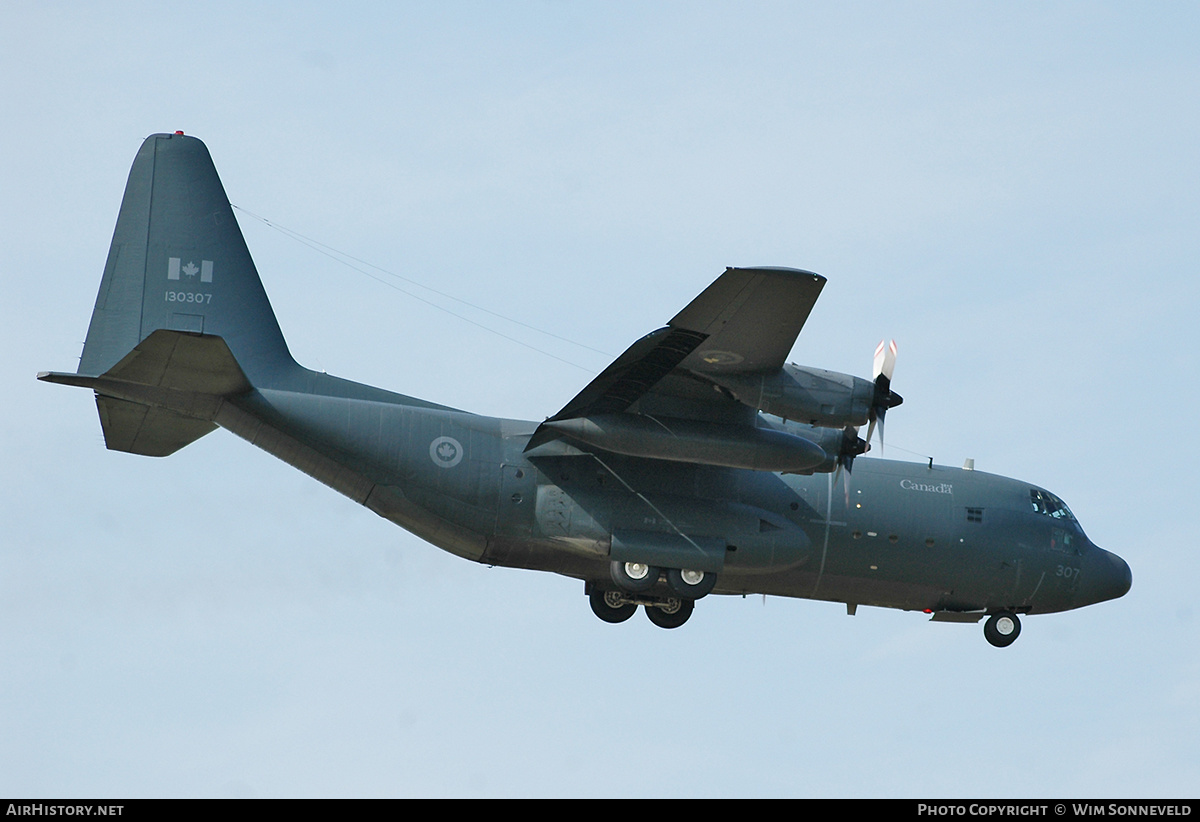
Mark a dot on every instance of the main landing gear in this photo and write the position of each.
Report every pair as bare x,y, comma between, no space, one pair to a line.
618,606
671,612
1002,629
635,582
612,606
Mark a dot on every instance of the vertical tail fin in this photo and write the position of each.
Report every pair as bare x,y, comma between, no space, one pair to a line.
181,319
178,262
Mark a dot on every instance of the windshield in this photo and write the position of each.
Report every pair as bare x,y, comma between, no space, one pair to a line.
1046,503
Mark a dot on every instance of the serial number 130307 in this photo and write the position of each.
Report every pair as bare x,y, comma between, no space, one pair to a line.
188,297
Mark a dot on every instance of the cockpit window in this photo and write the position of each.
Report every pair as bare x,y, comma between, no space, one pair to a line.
1046,503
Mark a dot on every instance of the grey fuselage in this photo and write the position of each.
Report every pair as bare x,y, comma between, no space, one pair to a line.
905,535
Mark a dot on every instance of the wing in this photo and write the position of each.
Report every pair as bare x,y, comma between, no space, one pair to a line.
750,319
746,321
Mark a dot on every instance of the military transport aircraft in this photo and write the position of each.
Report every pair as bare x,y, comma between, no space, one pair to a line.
698,463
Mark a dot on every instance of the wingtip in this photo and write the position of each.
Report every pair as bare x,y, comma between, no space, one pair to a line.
779,269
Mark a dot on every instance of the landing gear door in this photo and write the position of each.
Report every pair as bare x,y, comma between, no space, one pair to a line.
665,550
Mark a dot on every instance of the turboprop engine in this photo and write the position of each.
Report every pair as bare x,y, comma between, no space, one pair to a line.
811,395
840,446
821,398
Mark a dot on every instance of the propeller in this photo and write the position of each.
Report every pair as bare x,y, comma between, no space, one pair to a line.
852,445
885,397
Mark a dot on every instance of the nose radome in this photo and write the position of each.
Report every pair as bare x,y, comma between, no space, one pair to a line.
1124,573
1110,577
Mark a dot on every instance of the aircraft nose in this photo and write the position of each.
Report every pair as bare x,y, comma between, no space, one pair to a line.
1108,577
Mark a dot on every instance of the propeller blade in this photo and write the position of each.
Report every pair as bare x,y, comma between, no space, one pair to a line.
885,361
851,447
882,370
838,475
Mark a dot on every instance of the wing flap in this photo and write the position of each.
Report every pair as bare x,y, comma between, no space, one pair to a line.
630,376
634,373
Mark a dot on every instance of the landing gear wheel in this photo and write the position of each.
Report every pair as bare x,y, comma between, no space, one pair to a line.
690,584
635,577
1002,629
611,606
672,613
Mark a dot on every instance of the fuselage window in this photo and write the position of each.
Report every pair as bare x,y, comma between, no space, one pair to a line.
1060,540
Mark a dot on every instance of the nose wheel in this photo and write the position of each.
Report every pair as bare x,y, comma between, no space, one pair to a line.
1002,629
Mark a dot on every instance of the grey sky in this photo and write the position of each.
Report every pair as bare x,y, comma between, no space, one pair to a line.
1009,190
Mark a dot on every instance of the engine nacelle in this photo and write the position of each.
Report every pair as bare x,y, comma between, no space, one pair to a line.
840,446
696,441
809,395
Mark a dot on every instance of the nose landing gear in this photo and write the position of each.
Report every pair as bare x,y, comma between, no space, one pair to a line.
1002,629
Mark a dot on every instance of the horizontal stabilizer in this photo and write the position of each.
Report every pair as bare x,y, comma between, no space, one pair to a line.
164,393
177,361
142,429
